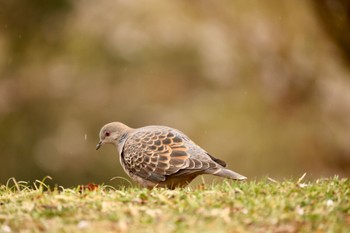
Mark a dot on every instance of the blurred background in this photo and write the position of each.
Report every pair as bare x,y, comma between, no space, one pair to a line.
264,85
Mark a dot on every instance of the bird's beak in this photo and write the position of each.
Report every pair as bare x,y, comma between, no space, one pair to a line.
99,145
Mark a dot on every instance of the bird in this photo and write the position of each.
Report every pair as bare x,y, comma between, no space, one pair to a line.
161,156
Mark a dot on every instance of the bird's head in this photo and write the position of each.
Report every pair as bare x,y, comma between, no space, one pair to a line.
111,133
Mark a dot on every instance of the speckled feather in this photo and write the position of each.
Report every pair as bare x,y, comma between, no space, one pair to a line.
155,152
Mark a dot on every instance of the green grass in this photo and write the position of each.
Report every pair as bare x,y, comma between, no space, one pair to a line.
253,206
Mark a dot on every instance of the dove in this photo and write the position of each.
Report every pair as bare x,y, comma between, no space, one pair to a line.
161,156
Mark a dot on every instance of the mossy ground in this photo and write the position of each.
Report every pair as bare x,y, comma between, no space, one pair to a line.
254,206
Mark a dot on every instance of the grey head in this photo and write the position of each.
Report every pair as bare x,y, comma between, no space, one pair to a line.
111,133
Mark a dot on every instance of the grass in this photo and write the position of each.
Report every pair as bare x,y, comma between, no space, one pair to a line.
254,206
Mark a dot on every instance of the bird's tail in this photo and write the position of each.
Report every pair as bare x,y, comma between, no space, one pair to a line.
223,172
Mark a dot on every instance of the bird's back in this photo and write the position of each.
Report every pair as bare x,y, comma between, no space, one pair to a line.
157,153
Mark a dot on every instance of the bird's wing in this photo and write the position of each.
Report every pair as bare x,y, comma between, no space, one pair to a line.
158,153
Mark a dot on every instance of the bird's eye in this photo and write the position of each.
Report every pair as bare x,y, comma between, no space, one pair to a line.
107,134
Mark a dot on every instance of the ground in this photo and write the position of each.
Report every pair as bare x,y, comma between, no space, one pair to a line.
255,206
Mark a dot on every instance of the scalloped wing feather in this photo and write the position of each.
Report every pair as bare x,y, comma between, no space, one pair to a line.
155,153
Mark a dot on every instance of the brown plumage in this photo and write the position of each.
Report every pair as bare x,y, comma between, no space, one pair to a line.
161,156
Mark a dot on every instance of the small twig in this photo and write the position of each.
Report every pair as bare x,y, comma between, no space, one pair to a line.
15,183
121,178
301,178
272,180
